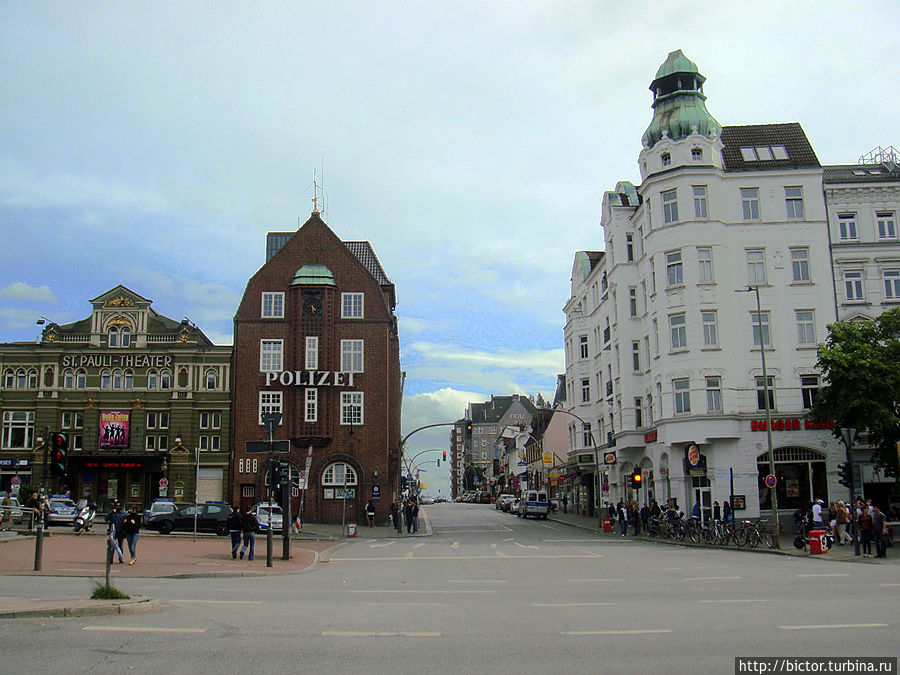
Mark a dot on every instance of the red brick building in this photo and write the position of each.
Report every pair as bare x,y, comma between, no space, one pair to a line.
315,339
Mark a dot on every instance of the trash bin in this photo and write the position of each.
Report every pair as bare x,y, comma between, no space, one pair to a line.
351,529
817,542
607,525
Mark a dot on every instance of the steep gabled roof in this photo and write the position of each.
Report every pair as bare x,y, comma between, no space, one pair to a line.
790,136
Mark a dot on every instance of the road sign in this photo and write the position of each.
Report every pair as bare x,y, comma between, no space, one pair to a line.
15,480
163,482
605,487
771,481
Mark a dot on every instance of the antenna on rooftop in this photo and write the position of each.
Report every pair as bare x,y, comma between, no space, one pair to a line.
315,199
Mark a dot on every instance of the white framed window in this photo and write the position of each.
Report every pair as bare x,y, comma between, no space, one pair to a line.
165,379
761,324
806,327
212,378
756,267
352,356
674,271
18,429
311,353
665,159
210,420
708,319
339,474
152,379
629,246
853,286
273,305
583,344
809,388
128,379
632,301
80,378
9,378
886,224
891,284
636,356
793,201
117,379
800,264
670,206
72,419
150,443
311,405
587,438
696,154
68,378
33,378
713,394
585,390
847,226
678,331
352,408
271,354
705,266
682,389
269,403
248,491
352,305
761,392
112,336
105,379
750,203
700,209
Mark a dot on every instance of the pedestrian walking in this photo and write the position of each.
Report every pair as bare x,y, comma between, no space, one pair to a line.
116,520
370,513
717,511
249,526
879,530
565,501
235,525
407,516
726,511
817,521
415,516
395,517
645,515
132,522
866,526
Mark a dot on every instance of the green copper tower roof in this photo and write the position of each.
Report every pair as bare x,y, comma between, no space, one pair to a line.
679,104
313,275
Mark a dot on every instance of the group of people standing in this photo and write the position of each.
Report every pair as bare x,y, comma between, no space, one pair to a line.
408,511
862,524
123,527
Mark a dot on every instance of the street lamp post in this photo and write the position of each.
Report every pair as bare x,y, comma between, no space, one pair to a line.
271,420
596,461
848,434
765,375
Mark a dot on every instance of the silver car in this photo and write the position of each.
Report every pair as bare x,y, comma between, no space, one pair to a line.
261,511
62,511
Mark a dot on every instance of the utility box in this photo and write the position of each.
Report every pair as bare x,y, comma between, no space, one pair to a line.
817,542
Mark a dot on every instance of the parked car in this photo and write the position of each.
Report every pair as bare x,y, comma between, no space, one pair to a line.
12,513
534,503
62,511
483,498
503,502
159,506
261,511
210,518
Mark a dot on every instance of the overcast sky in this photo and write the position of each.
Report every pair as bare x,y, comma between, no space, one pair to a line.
154,144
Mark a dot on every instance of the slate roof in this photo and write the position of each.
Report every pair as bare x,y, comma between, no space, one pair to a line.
366,255
790,135
862,173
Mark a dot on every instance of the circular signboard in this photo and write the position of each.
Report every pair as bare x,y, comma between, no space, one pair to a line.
609,458
15,480
771,481
163,482
605,487
694,455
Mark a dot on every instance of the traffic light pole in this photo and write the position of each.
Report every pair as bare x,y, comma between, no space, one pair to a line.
39,537
271,420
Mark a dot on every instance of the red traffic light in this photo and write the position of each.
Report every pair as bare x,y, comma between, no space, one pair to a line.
445,455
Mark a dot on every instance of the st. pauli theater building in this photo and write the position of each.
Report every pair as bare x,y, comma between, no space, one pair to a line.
143,399
316,341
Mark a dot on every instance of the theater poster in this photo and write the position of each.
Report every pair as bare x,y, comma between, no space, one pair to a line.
114,429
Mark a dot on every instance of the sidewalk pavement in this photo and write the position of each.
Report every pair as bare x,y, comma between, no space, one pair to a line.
840,553
175,556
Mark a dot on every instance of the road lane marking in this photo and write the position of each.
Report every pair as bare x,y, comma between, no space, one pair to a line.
578,581
509,539
477,581
886,585
537,556
577,541
525,545
389,543
572,604
741,600
364,633
709,578
645,631
145,629
454,545
825,626
501,554
406,604
429,592
222,602
418,545
823,575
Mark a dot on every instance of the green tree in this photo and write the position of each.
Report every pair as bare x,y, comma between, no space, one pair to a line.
860,361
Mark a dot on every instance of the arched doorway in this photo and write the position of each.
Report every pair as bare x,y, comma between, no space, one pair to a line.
801,478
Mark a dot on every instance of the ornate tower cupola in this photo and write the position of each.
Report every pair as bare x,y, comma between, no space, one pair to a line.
679,107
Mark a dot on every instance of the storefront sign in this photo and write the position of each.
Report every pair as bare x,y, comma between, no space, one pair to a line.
547,458
13,462
693,455
651,436
791,424
739,503
114,464
310,378
116,361
114,429
609,458
585,459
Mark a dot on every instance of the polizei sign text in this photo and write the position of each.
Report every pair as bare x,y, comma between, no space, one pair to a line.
310,378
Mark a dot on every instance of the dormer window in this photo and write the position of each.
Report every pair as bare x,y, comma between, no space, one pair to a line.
696,155
666,159
119,333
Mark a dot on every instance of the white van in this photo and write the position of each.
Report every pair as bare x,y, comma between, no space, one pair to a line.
534,503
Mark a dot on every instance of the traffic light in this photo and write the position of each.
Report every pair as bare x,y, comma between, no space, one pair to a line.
445,456
277,475
468,430
846,473
636,479
404,483
59,452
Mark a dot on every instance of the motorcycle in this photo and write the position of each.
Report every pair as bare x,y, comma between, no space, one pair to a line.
84,521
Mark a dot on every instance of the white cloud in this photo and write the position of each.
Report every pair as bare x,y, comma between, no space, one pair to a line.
18,319
543,361
19,290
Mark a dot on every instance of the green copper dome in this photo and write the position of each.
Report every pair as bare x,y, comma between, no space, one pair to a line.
313,275
679,104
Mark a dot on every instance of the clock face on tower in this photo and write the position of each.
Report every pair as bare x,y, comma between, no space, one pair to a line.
311,305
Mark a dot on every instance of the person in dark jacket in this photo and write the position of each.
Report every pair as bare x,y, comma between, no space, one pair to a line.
879,526
132,526
370,513
249,526
235,525
866,528
408,515
116,520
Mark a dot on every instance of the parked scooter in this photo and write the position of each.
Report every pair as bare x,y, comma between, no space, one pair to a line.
84,521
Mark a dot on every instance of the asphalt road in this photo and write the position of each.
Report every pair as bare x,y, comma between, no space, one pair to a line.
488,592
